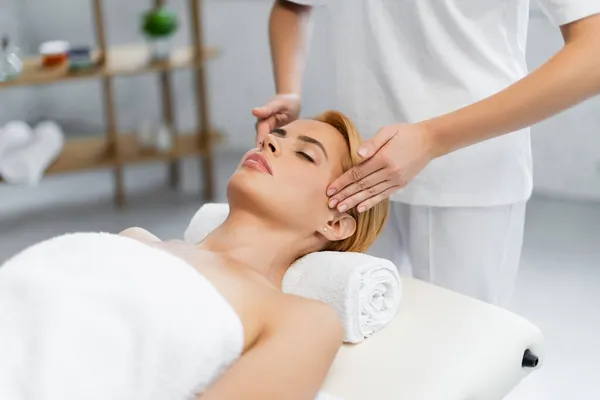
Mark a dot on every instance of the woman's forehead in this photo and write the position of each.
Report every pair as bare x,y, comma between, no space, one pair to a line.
330,137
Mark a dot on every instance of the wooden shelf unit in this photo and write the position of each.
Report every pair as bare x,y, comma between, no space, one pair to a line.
92,153
114,149
119,61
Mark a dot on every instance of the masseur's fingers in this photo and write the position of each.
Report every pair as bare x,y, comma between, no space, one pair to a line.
265,119
353,175
398,153
373,161
279,111
263,128
363,195
368,186
372,146
269,109
370,202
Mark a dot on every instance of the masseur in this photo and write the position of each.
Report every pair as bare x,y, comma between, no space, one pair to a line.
443,84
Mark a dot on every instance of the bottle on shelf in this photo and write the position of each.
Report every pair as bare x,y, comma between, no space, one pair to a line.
11,64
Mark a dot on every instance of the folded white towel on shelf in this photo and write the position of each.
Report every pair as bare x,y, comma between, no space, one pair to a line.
26,165
13,136
365,290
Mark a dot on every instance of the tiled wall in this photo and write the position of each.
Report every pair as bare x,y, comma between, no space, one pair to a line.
566,148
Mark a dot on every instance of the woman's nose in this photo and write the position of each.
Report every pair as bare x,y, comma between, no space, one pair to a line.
272,145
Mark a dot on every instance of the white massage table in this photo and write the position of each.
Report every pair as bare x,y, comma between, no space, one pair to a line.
441,346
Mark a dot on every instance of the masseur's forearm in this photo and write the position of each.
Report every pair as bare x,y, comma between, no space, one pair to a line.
288,36
568,78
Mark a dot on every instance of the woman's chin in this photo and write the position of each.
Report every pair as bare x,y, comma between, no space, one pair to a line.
249,187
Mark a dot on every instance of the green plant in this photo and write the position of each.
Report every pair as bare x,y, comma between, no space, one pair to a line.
159,23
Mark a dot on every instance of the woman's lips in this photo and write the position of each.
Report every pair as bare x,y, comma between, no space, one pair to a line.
259,162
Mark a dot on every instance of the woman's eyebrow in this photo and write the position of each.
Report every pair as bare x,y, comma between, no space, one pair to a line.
308,139
279,132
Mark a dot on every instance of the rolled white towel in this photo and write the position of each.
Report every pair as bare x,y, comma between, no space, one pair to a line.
365,290
327,396
13,136
27,164
209,217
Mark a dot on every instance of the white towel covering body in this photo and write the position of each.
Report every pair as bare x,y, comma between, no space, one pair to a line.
99,316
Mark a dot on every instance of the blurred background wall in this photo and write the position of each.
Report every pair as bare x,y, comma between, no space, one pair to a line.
566,148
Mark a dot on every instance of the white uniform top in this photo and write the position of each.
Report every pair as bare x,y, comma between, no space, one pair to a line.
410,60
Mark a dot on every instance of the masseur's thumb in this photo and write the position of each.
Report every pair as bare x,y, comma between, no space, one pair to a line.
372,146
268,110
263,128
261,112
266,119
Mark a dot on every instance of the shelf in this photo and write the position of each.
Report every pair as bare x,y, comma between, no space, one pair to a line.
120,61
93,153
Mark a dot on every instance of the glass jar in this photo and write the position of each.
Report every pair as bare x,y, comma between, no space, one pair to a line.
11,63
54,54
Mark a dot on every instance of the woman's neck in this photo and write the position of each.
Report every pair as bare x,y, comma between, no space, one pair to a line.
246,239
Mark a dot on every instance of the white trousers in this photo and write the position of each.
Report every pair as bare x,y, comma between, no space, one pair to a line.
471,250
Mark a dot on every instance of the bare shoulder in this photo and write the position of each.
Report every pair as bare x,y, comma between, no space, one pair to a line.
139,234
306,315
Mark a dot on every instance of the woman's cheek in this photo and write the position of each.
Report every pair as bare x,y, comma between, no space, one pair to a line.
313,183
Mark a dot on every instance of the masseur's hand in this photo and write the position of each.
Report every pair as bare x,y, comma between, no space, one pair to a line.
279,111
392,158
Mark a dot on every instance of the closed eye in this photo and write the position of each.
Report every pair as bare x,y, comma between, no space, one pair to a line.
305,156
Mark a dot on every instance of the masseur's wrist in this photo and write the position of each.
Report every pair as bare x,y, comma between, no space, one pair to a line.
289,93
288,87
433,130
292,102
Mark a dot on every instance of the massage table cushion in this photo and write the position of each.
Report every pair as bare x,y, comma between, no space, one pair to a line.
440,346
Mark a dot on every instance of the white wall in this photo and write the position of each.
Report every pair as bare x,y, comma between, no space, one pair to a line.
566,147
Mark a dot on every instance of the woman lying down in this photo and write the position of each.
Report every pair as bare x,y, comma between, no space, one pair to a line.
111,317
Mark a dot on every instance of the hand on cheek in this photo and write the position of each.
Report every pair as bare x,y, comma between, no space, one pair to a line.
390,160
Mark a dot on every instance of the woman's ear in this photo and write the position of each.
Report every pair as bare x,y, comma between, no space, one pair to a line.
342,226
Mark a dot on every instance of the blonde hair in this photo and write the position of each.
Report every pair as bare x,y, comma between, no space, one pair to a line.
370,223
